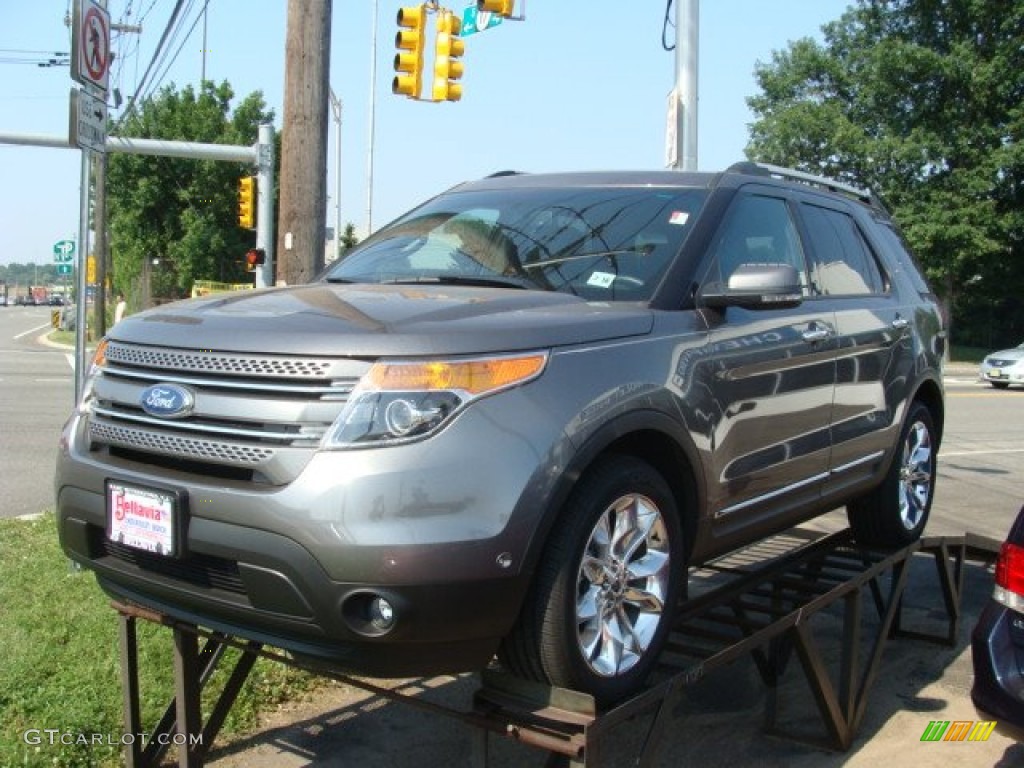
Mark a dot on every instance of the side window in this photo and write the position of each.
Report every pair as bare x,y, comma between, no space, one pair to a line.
759,230
843,263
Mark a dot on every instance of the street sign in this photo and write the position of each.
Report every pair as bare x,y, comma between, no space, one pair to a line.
474,21
88,121
90,44
63,250
64,269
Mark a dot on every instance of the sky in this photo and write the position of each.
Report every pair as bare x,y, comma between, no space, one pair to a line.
577,85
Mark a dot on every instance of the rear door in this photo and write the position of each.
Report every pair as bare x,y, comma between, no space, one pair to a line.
873,338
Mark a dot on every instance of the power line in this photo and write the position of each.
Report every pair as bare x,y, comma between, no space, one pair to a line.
142,84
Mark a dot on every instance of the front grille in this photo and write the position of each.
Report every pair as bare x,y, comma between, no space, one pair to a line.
260,414
204,571
217,362
167,444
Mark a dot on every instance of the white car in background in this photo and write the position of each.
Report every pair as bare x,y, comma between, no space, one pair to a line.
1003,368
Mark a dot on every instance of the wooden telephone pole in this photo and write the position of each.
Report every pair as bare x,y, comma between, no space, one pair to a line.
303,217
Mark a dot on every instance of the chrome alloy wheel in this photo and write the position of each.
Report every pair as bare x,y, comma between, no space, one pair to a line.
621,586
917,470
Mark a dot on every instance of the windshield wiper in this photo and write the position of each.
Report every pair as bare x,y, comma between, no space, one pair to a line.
494,281
643,251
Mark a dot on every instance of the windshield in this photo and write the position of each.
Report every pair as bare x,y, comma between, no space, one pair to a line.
604,244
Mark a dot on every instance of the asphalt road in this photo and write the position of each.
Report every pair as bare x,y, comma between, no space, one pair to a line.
37,392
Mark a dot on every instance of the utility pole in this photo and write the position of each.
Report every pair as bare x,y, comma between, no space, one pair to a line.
303,218
336,111
373,111
683,99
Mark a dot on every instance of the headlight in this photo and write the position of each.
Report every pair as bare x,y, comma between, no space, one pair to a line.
399,401
99,359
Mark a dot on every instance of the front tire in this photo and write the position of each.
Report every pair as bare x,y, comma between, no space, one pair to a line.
894,514
1000,384
604,595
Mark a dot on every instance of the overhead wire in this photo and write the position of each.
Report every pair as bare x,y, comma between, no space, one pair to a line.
139,89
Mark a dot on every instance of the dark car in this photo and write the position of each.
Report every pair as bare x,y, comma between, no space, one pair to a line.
997,643
509,422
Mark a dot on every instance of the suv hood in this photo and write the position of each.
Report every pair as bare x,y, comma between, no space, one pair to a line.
374,320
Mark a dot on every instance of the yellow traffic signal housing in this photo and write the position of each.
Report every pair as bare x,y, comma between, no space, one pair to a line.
247,202
500,7
448,51
410,41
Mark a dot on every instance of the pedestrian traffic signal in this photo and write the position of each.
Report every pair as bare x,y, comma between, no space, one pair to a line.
500,7
448,51
410,42
247,202
255,257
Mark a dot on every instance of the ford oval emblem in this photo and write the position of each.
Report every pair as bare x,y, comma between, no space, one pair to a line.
167,401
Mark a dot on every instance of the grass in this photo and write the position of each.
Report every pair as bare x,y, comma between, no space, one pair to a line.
61,666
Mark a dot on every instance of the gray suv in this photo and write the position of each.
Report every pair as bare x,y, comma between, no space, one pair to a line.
508,422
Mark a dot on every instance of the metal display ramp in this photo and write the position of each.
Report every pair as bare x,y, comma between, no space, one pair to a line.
759,601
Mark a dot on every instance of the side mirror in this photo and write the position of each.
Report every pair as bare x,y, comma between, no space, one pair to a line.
756,286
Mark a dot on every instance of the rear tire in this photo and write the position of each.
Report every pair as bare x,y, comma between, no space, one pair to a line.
607,585
894,514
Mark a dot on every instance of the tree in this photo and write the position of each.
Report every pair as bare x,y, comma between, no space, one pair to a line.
348,237
920,100
180,215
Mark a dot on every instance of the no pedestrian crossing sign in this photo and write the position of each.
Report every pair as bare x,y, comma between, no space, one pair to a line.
90,44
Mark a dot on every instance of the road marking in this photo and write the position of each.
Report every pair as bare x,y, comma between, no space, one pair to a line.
61,380
71,360
33,330
980,453
977,394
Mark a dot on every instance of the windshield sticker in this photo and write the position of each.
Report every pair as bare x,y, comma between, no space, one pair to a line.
601,279
678,217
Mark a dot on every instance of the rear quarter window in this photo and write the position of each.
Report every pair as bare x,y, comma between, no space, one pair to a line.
843,263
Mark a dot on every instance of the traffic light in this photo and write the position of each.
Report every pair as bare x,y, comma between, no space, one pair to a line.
247,202
410,42
255,257
448,50
500,7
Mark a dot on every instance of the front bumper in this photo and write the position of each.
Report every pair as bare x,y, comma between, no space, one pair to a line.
1002,375
294,566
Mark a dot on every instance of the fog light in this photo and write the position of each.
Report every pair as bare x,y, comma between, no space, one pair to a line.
382,615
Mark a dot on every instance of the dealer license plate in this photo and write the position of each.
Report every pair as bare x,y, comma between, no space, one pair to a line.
143,518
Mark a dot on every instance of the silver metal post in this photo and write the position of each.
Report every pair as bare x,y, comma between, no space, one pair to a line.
336,109
265,204
81,316
687,43
373,103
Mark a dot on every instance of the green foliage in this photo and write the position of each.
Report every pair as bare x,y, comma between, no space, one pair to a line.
61,667
24,275
921,101
181,214
348,237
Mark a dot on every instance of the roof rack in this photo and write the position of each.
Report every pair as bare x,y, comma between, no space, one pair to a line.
766,169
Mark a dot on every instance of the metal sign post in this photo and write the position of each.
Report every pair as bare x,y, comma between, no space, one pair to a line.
90,66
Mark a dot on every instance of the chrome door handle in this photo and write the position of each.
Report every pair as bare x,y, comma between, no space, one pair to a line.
816,333
900,322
